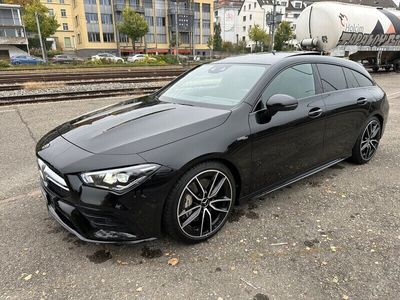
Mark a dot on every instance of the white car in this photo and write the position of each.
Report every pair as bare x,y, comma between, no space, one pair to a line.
140,57
108,57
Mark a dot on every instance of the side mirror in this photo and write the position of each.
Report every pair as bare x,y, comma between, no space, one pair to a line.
282,102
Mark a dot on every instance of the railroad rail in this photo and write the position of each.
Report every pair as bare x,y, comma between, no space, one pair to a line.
101,74
16,87
76,95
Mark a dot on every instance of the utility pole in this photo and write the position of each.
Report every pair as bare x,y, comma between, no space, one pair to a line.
176,31
116,31
40,37
273,26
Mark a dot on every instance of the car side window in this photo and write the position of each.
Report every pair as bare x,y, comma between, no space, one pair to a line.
361,79
332,77
350,78
296,81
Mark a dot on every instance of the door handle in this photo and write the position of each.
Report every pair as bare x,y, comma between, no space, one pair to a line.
362,101
315,112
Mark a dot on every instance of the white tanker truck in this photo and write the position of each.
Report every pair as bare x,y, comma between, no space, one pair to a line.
361,33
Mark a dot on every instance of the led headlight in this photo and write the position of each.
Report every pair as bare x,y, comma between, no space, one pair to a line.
119,180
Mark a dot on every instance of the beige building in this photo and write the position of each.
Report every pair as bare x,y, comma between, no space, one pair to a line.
88,26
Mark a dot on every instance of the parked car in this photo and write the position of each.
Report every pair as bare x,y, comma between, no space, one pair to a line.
66,59
140,57
178,160
108,57
25,60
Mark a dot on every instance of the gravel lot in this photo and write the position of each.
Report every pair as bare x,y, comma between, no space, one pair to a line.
335,235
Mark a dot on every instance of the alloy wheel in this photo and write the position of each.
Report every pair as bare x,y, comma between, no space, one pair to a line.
204,204
370,140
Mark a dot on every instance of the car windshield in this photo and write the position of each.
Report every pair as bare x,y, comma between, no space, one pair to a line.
217,84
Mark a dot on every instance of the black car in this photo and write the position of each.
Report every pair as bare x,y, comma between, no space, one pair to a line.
178,160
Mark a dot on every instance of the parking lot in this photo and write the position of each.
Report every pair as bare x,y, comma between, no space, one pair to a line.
335,235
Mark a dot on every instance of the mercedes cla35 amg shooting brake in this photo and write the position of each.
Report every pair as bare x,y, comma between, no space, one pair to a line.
178,160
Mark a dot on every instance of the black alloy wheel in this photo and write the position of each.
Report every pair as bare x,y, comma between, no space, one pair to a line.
200,203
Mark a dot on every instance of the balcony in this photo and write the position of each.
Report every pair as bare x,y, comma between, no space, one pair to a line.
135,7
4,40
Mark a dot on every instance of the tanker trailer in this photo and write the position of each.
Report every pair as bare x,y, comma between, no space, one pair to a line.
361,33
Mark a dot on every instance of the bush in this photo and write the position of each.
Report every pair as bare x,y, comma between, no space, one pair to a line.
4,64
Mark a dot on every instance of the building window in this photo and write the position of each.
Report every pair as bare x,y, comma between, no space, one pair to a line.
92,2
244,28
243,38
94,37
206,8
249,27
108,37
149,20
79,39
91,18
244,8
297,4
283,3
249,6
67,42
251,17
62,1
244,18
49,1
150,38
105,2
51,12
254,4
123,38
160,21
65,26
76,21
162,38
63,13
148,4
106,19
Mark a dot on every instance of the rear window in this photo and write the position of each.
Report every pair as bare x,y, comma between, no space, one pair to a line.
362,80
332,77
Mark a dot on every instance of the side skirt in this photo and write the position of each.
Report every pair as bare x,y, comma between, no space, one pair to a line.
268,190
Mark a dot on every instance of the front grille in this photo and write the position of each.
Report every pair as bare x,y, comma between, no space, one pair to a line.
52,180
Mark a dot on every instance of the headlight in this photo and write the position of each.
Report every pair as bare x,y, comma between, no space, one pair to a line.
119,180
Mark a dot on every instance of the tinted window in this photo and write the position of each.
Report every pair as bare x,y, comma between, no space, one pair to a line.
350,78
332,77
297,81
218,84
362,80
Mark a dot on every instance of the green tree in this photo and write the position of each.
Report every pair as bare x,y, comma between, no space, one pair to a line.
283,34
134,25
48,24
217,39
23,3
259,36
227,46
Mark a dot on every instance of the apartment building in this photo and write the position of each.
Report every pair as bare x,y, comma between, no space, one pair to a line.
226,14
13,39
89,26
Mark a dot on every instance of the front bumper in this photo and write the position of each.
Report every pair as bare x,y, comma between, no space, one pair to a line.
94,229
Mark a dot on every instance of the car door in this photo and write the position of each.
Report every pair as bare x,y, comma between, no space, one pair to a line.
287,143
347,105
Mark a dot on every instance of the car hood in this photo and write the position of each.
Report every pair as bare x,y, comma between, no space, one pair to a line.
139,125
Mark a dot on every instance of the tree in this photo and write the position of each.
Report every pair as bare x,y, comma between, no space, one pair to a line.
259,36
23,3
217,39
210,44
227,46
134,25
48,24
283,34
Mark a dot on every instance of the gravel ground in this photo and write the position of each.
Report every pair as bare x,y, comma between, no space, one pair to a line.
60,87
335,235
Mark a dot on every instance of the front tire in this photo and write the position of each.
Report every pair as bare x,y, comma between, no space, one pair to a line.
368,142
200,203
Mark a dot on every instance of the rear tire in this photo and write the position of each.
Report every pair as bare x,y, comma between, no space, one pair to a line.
200,203
368,141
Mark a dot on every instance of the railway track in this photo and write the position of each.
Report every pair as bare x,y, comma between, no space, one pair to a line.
100,75
76,95
16,87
